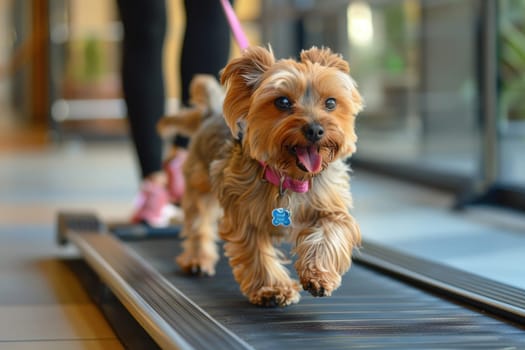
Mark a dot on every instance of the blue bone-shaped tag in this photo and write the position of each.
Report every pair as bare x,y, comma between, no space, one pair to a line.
281,216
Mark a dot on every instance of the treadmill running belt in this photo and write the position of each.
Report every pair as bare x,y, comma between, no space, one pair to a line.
369,310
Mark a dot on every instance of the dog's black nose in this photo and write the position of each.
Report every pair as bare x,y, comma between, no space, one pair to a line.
313,132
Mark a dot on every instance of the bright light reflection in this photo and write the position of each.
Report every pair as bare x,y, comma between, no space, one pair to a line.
359,23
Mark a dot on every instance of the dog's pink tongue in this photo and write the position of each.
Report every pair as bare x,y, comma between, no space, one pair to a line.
310,158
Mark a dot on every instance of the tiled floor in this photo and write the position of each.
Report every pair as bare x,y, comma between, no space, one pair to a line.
42,305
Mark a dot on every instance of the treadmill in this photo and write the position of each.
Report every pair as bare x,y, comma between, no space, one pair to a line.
388,299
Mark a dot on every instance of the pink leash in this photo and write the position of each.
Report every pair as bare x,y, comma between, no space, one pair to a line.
235,25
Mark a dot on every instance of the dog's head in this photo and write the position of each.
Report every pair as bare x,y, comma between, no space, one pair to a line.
296,116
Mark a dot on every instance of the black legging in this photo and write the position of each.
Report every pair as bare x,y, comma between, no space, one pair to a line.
205,49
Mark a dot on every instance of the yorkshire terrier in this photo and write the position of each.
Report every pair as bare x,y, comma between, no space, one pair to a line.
271,166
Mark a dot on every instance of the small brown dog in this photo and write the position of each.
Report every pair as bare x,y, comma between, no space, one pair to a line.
277,170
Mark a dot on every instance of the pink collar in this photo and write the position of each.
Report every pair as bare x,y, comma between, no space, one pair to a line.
284,182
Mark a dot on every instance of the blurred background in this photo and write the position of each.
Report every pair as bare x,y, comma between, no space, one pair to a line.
443,82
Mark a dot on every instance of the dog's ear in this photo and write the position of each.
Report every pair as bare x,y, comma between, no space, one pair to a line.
241,77
325,57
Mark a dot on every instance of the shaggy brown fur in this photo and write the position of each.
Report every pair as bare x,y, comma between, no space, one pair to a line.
297,118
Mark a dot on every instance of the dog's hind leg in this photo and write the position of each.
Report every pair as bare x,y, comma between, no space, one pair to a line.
201,211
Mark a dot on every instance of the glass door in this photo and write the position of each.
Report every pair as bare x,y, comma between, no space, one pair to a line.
419,72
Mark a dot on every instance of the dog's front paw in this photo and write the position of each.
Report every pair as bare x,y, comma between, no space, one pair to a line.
276,296
320,283
193,265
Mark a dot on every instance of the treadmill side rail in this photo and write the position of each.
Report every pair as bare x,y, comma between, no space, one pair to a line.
169,317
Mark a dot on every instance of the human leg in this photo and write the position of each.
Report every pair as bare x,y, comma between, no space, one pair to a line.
144,23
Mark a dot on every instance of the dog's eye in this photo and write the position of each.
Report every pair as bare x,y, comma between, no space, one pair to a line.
283,103
330,104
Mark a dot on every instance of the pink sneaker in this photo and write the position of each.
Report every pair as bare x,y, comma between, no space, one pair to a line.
152,205
176,183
